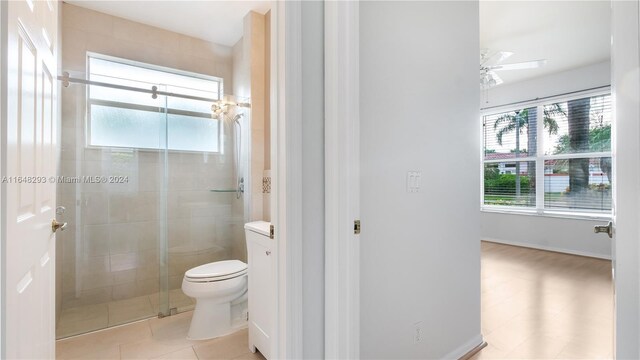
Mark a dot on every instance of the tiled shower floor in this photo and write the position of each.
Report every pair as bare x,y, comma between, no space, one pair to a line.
82,319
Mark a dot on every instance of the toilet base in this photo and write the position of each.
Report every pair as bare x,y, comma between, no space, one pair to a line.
210,320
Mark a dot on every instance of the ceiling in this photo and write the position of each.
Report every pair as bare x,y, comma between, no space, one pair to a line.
568,34
215,21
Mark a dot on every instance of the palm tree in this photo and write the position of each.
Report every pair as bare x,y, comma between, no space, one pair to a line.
579,121
599,141
520,121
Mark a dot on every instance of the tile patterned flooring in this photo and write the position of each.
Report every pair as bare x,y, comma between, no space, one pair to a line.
544,305
82,319
155,339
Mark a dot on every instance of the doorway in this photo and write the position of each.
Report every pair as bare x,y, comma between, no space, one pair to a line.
172,146
279,219
625,86
547,116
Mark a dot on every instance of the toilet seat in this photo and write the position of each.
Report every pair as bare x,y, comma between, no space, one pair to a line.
216,271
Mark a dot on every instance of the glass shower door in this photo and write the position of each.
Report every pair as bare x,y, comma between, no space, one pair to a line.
152,183
113,164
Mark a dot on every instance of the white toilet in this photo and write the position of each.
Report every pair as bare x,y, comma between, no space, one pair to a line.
216,287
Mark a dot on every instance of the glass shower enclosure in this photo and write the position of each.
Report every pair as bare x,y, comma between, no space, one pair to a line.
152,182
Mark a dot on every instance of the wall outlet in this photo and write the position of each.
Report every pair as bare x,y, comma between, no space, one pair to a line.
417,332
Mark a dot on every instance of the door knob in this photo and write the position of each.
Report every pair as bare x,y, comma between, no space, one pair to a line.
608,229
55,225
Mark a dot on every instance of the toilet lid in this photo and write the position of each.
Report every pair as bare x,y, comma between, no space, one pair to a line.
216,269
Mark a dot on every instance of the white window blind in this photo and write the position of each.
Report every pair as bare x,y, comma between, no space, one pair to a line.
549,156
130,119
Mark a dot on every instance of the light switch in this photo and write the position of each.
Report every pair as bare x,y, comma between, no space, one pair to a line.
413,181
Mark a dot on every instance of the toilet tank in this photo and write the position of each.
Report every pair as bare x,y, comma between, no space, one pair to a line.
257,229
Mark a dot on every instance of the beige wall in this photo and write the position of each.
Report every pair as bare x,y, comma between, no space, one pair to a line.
250,71
267,115
86,30
110,251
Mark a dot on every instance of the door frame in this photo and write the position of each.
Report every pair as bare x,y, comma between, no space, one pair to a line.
286,163
3,120
342,180
342,308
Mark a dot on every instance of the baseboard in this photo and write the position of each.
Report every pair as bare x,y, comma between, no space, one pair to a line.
474,351
467,350
548,248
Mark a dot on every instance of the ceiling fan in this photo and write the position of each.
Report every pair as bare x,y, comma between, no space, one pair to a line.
490,63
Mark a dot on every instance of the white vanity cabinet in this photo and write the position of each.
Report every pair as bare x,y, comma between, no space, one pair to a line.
261,286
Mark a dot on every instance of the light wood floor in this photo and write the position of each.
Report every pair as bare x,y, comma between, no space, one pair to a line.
545,305
155,339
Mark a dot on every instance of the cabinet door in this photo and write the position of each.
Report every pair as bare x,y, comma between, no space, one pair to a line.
260,296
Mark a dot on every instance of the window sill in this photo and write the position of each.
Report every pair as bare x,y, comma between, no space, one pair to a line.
547,213
149,150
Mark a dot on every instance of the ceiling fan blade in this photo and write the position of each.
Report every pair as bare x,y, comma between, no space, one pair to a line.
496,58
503,56
519,66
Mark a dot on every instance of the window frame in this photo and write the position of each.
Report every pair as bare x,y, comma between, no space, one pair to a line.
89,102
540,158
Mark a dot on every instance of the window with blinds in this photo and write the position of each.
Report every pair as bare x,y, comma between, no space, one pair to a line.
552,156
130,119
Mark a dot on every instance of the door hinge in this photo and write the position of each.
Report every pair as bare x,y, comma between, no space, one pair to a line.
356,227
272,231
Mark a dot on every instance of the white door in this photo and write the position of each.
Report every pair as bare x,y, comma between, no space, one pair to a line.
625,86
29,149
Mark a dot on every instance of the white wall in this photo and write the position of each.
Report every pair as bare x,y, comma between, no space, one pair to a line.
313,178
626,174
420,254
577,79
574,236
565,235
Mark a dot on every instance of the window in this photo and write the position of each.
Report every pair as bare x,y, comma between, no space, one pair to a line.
130,119
549,157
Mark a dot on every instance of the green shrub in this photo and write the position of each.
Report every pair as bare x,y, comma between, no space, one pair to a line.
505,184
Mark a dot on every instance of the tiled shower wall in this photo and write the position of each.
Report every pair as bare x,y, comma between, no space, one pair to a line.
251,66
110,249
